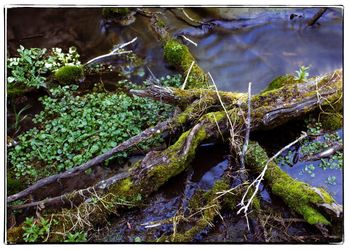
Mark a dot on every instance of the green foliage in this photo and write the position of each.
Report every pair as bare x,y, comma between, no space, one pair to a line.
302,74
73,129
27,69
35,230
32,67
171,81
318,141
331,180
309,169
137,239
69,74
57,58
76,237
328,139
19,118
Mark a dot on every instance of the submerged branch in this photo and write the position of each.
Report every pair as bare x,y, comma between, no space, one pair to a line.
317,16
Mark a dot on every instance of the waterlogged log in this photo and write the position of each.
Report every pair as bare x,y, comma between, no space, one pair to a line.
302,198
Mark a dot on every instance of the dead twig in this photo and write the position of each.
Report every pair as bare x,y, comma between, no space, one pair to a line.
188,74
117,51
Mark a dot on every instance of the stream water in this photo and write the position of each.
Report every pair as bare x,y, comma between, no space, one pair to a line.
237,47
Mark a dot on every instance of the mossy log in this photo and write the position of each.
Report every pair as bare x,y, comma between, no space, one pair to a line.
183,98
271,108
179,56
299,196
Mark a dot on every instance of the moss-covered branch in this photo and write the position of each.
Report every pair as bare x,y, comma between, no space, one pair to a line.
179,56
183,98
299,196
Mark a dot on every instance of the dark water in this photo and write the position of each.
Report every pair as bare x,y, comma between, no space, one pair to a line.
269,46
254,48
319,177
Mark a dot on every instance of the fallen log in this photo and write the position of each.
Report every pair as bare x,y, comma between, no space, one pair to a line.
157,167
183,98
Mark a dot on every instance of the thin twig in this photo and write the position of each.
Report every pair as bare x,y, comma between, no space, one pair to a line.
222,104
188,73
246,138
257,181
116,51
187,39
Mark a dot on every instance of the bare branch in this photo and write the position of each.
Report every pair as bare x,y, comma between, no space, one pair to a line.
116,51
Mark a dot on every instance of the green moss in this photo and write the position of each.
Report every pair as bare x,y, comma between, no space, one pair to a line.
280,82
175,163
299,196
14,235
69,74
109,12
161,23
214,117
125,185
179,56
331,121
198,201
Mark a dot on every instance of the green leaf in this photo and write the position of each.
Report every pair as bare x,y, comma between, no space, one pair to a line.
94,149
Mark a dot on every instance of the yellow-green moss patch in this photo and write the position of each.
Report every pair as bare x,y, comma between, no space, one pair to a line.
179,56
69,74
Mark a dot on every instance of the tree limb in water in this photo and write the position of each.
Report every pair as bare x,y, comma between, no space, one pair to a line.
317,16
